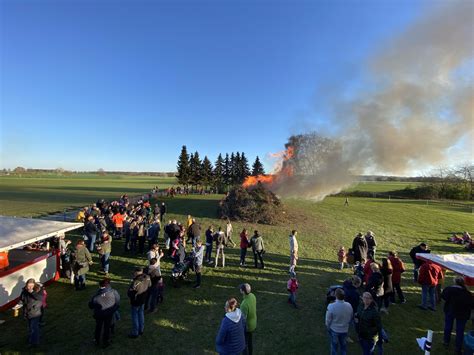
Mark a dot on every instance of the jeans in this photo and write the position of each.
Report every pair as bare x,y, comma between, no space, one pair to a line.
104,322
79,281
91,242
138,319
243,253
34,330
104,260
399,291
368,346
208,252
258,254
338,339
248,343
153,299
448,327
415,274
428,291
292,298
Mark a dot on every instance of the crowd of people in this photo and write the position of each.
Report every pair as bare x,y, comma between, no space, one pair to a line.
363,297
357,304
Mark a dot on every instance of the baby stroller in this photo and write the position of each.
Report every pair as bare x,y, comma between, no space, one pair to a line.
180,270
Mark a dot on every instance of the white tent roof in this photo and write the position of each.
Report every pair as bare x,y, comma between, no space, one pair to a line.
462,264
17,232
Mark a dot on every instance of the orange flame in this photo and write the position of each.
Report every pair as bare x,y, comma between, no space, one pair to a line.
281,169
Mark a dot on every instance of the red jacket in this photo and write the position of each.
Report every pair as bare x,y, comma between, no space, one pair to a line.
398,268
429,274
367,270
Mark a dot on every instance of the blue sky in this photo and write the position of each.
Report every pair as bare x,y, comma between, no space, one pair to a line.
122,85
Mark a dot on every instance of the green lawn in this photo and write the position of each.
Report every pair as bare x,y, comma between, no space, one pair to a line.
31,195
188,320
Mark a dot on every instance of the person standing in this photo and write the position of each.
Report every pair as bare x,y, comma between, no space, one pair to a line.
231,336
360,248
198,257
104,303
249,310
419,249
117,219
209,241
90,231
137,293
386,270
429,275
244,244
338,318
83,260
220,244
369,324
292,287
228,232
293,250
371,243
32,300
162,212
375,285
154,272
398,269
258,248
194,231
459,302
105,251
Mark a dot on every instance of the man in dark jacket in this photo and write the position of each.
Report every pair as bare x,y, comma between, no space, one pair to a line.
32,299
375,284
458,304
360,248
90,231
351,294
138,293
422,248
104,303
194,232
162,212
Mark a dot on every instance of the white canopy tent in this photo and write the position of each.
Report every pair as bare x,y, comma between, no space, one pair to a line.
462,264
17,232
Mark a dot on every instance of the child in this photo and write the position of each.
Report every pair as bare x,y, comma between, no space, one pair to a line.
359,269
342,256
161,289
292,286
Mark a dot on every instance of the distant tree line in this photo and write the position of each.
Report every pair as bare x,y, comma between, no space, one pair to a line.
227,171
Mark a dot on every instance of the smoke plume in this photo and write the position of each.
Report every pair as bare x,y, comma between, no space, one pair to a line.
420,105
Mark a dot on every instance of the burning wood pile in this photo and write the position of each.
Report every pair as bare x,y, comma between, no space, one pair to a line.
255,204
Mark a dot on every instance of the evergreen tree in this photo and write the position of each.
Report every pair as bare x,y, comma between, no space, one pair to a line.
183,167
234,168
244,168
196,169
218,174
227,170
206,172
257,168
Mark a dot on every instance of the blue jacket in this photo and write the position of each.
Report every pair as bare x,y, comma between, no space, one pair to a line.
231,337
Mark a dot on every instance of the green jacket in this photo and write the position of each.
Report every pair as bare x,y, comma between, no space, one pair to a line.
249,309
83,259
370,324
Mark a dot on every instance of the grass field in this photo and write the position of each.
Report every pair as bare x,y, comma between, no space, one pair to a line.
32,196
381,186
188,320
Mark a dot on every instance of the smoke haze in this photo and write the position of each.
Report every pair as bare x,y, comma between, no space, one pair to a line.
420,105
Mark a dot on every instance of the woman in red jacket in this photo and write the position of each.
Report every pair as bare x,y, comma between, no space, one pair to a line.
398,268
